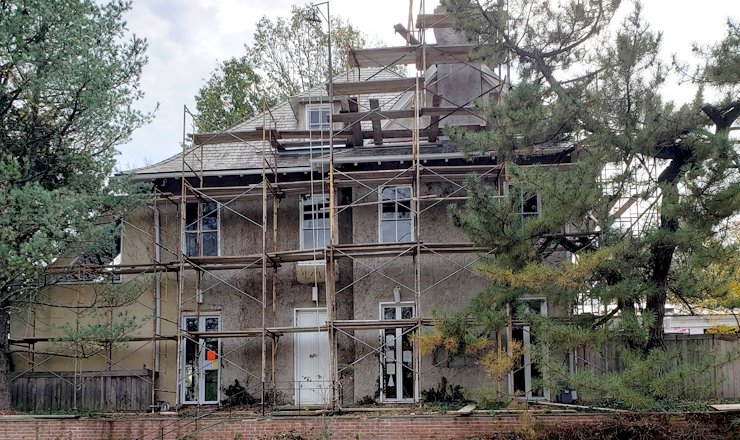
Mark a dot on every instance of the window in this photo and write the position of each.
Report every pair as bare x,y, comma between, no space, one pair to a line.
317,117
396,223
314,222
531,207
201,360
201,237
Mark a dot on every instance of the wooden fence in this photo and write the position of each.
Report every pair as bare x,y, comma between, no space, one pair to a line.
725,376
95,391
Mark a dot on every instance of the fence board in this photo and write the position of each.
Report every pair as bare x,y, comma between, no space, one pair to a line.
96,391
691,348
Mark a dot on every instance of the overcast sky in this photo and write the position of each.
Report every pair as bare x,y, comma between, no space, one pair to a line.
187,39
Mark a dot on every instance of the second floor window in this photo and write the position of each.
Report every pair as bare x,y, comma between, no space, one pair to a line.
396,222
201,229
317,117
314,221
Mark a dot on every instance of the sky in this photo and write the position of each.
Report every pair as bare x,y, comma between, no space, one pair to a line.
188,38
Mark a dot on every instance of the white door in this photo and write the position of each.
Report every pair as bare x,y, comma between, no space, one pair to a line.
312,366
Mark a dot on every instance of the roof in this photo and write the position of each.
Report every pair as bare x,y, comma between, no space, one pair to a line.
226,158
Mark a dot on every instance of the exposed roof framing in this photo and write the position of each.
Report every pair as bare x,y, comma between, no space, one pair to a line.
351,118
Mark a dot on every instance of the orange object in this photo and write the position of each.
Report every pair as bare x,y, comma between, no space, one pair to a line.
211,355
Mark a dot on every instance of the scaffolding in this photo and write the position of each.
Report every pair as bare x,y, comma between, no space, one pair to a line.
416,128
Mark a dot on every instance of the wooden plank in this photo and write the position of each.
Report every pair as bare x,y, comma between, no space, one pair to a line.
401,30
729,407
465,410
434,121
433,21
351,118
355,127
443,54
380,86
382,56
404,55
377,132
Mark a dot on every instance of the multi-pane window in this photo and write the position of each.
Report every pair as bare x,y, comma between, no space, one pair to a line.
397,357
317,117
201,360
396,222
314,222
201,229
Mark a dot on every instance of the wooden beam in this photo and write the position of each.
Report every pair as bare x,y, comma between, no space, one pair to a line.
403,114
402,55
377,132
382,56
355,127
433,21
448,54
305,135
434,122
401,30
380,86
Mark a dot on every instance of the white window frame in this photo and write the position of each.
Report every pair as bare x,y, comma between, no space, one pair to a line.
399,367
301,230
323,125
197,232
201,360
380,214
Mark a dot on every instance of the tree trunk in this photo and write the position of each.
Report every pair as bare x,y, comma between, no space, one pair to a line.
663,249
4,358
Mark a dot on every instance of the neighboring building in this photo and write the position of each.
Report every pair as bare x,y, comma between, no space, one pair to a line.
259,236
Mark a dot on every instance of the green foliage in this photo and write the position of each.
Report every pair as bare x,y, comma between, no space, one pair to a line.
69,78
291,53
594,89
233,93
288,56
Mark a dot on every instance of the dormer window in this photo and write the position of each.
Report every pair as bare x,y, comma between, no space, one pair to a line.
317,117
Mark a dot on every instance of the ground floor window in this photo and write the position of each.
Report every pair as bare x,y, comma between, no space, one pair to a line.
397,367
201,359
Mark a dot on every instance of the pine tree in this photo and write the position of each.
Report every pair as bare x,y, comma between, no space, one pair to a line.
69,75
579,83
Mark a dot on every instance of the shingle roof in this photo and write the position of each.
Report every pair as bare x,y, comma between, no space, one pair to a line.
248,155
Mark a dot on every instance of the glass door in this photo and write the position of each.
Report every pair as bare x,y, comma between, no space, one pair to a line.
201,361
397,369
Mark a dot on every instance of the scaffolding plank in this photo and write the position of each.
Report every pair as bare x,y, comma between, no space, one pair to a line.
380,86
403,55
382,56
433,21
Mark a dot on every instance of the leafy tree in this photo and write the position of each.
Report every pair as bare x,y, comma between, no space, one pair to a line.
581,84
288,56
69,74
233,93
291,54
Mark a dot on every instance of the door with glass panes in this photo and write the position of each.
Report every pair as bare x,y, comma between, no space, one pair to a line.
397,369
201,359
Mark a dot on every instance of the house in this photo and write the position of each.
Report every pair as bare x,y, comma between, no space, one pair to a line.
297,252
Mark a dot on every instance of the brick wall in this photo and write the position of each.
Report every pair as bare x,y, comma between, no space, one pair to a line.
340,428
